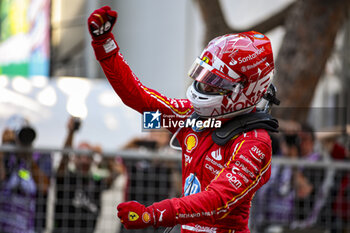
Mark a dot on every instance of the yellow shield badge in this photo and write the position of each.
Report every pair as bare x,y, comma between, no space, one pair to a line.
133,216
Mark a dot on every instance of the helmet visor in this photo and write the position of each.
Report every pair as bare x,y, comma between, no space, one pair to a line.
209,90
204,73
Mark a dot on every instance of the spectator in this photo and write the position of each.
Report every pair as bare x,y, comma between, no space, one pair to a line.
154,140
23,182
309,184
115,194
274,203
78,189
339,203
168,182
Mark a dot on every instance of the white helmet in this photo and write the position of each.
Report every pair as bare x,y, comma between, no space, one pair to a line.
232,75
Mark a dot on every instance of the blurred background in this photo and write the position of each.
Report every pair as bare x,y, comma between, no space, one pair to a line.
48,69
50,78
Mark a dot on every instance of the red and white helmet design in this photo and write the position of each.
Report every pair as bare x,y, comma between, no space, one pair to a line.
232,74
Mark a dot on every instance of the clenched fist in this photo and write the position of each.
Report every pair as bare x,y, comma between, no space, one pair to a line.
101,22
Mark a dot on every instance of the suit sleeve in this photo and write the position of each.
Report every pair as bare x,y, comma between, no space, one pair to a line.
243,174
128,86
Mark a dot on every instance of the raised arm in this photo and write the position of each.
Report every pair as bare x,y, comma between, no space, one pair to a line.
123,80
73,125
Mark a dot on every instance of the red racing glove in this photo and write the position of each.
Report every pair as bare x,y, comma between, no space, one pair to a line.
101,22
134,215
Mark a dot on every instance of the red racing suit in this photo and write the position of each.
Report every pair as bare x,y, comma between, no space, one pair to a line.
218,181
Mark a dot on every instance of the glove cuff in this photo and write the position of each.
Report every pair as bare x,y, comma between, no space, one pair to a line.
105,48
164,214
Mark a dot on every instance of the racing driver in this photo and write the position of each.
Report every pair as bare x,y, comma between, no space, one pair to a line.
222,167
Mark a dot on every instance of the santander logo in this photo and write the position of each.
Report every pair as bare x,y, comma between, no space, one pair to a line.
233,62
216,154
250,56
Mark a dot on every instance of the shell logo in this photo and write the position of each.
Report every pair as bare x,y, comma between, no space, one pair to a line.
191,142
146,217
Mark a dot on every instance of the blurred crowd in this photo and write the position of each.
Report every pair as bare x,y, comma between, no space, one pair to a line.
305,197
78,192
69,192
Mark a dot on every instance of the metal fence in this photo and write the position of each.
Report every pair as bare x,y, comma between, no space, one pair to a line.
78,191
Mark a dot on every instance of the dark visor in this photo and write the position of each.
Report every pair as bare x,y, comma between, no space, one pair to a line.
202,72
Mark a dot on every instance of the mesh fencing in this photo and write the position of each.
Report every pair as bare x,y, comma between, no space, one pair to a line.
53,193
303,196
